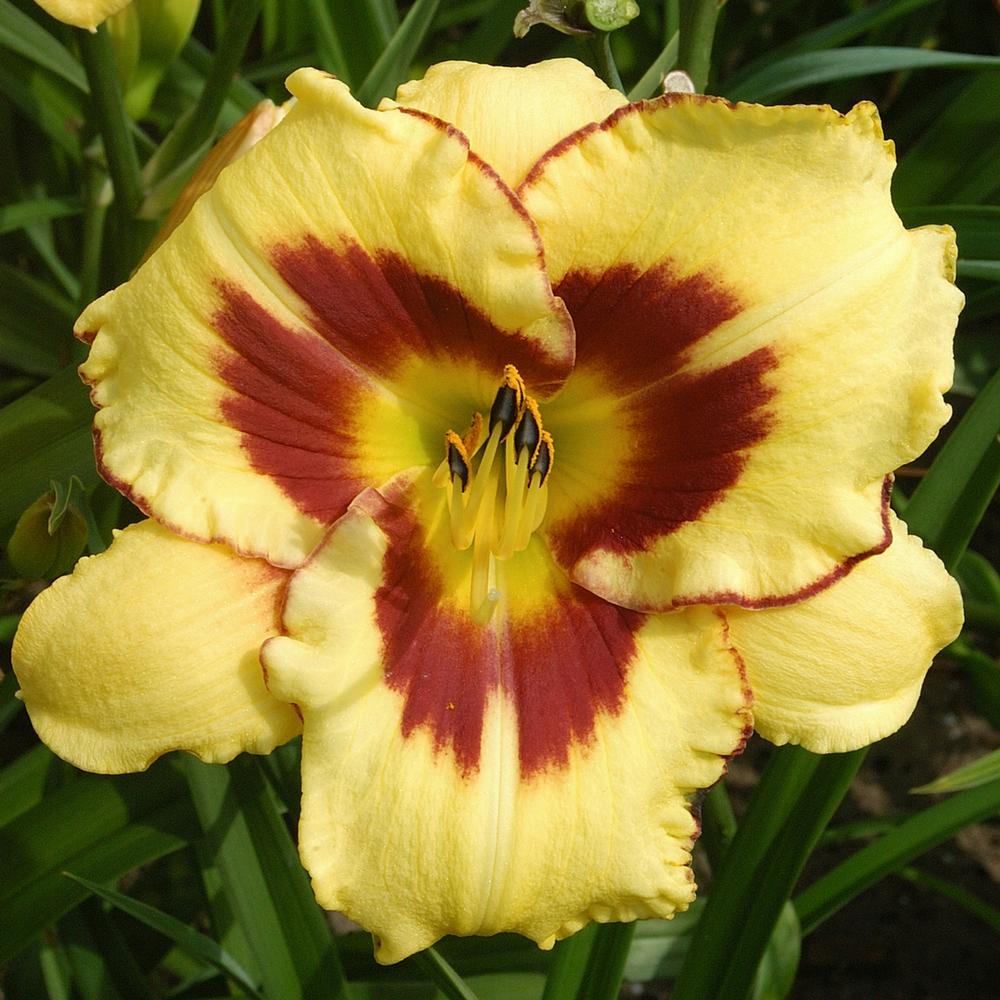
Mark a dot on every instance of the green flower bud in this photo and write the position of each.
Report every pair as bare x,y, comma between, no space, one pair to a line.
576,17
50,535
148,35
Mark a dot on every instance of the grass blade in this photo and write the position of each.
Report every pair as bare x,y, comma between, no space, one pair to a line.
653,77
20,34
795,72
190,941
950,500
267,890
99,826
972,775
440,972
913,837
393,64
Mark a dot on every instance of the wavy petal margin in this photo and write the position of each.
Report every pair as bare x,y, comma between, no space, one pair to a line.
845,668
530,774
341,296
150,647
768,342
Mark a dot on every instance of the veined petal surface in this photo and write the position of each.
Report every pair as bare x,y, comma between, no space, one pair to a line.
531,773
845,667
341,296
153,646
512,115
759,343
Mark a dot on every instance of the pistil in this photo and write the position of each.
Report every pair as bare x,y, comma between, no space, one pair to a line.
497,525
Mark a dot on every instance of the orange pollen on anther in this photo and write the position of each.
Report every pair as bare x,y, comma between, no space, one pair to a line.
497,487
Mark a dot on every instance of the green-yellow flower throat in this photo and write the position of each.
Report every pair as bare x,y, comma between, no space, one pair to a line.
495,505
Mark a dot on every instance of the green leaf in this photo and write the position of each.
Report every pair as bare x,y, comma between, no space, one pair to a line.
780,961
795,72
969,901
267,891
36,324
606,966
24,780
21,213
45,100
104,968
835,33
909,840
44,435
196,127
20,34
570,959
979,772
977,227
795,799
950,500
440,972
955,158
190,941
351,37
659,946
99,826
393,64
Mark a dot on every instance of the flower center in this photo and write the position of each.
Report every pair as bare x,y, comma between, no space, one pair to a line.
497,501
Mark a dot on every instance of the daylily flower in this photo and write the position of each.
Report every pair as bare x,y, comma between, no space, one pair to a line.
530,434
82,13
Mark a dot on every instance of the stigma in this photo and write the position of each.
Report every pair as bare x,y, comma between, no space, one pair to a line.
496,480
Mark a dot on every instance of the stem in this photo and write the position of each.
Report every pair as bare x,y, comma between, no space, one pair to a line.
793,802
198,125
718,824
600,48
569,965
697,32
440,972
113,123
606,968
671,19
93,237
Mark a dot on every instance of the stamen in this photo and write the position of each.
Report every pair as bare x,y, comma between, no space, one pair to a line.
458,458
497,528
529,430
542,464
508,402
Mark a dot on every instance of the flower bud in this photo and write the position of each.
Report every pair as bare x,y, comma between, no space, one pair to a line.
50,534
148,35
576,17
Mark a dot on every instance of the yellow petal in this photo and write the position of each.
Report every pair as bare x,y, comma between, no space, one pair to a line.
512,115
529,774
82,13
353,273
149,647
768,340
844,668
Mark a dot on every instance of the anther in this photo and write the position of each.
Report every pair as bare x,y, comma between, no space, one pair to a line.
529,431
508,402
458,458
542,464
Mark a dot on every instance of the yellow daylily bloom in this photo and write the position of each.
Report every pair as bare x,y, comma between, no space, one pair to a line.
529,435
82,13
